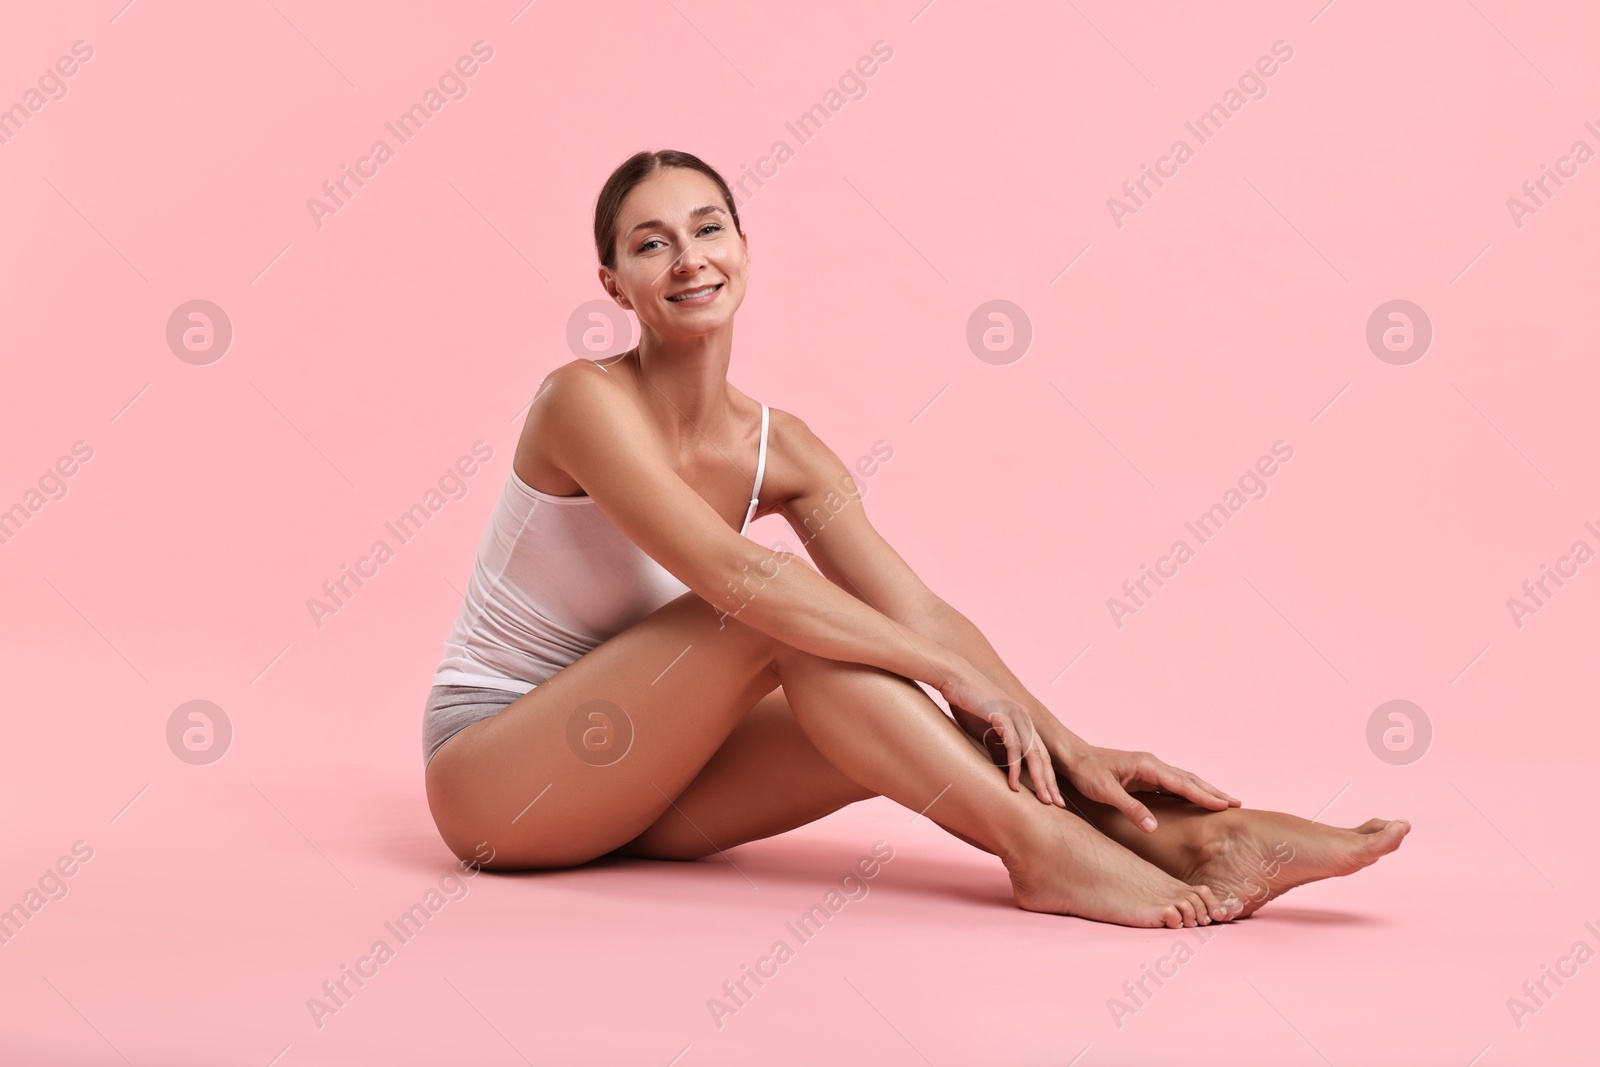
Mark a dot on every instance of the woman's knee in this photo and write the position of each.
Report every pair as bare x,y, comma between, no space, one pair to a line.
790,663
734,637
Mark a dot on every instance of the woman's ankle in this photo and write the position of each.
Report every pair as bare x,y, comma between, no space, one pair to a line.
1037,837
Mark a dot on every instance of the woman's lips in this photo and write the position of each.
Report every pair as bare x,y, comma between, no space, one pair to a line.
704,295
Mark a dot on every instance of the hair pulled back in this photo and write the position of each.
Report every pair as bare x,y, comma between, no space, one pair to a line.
633,170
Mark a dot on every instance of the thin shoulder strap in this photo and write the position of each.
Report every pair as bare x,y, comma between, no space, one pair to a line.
761,469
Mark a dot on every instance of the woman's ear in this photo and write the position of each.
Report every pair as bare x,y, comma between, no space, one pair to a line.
609,281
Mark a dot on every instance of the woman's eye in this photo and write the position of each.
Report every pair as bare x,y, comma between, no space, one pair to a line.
654,240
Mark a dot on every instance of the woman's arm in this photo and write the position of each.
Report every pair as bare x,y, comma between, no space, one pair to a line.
941,623
988,701
1108,775
583,424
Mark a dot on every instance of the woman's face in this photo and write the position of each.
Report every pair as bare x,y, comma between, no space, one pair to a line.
675,235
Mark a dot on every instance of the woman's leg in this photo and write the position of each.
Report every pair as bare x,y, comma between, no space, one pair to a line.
535,786
1246,855
682,679
769,762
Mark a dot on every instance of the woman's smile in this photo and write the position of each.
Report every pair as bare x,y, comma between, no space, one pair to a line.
697,297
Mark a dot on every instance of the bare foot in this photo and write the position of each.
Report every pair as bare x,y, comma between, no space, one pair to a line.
1249,857
1076,870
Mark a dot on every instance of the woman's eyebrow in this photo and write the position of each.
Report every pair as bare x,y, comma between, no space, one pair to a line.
709,209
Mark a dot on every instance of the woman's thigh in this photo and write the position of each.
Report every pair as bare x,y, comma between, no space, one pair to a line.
765,779
587,761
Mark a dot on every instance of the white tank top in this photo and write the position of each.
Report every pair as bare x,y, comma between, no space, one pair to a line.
553,578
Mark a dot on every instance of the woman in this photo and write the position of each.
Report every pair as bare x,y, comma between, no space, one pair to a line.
630,675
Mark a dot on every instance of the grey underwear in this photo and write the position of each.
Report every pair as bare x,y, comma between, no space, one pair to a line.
453,708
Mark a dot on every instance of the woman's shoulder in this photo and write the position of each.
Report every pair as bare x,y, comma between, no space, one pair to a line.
580,369
799,463
577,392
578,386
789,431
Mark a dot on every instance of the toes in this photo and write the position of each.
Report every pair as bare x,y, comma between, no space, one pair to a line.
1213,905
1376,833
1401,827
1388,838
1205,903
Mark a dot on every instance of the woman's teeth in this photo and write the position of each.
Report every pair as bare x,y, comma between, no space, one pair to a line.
697,292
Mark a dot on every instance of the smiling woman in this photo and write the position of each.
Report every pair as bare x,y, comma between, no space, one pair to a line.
607,688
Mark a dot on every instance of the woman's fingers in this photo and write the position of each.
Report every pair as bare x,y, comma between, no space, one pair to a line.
1197,785
1192,789
1038,757
999,729
1021,744
1170,779
1041,788
1008,737
1044,777
1055,778
1232,800
1124,802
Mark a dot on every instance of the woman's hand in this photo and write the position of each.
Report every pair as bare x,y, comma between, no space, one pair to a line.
1003,728
1109,775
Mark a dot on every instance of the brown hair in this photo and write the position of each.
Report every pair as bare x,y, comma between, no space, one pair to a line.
635,169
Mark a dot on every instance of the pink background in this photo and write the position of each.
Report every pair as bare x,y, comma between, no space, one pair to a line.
1227,313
